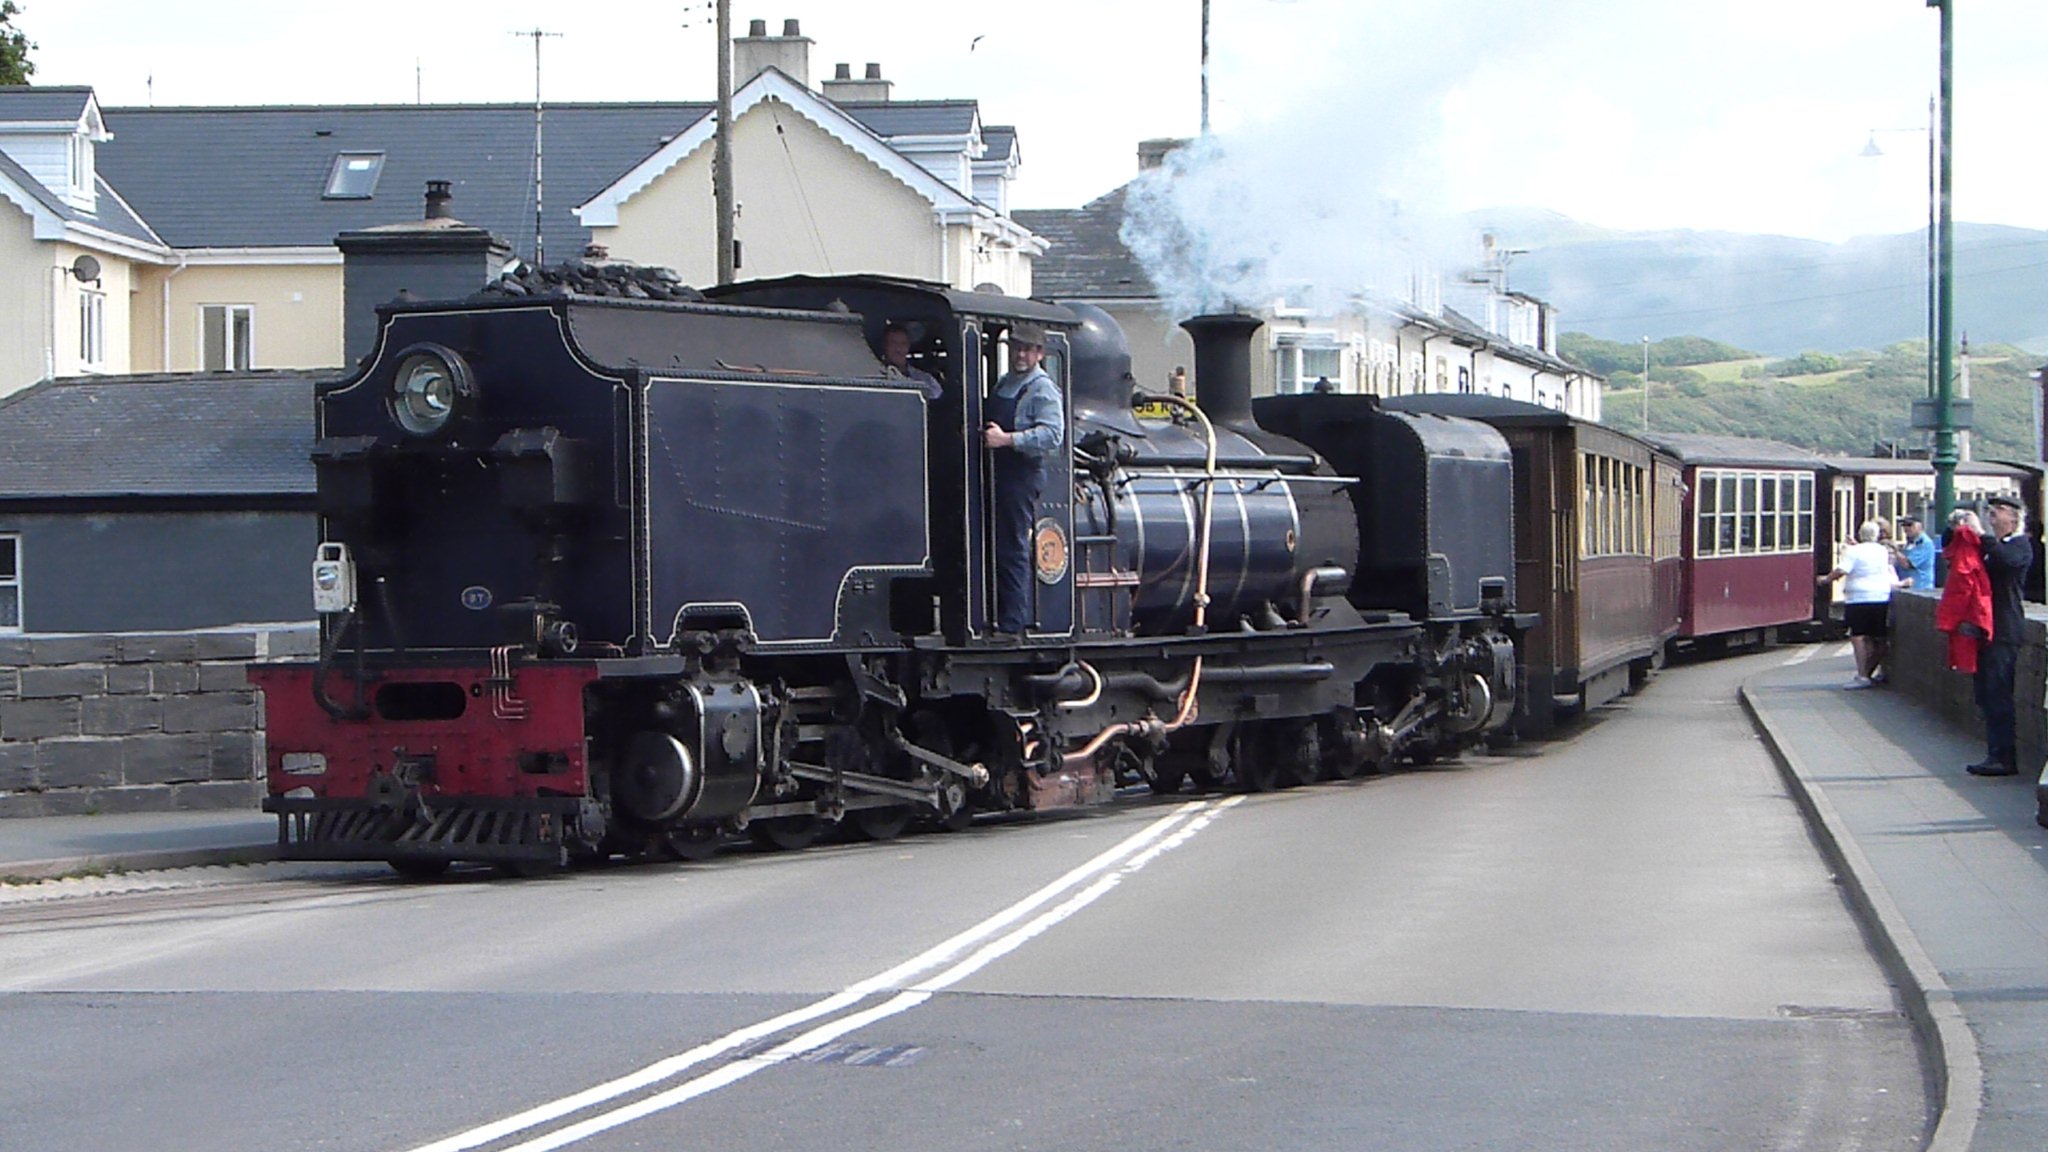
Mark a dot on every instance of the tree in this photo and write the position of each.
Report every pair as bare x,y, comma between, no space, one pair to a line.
15,66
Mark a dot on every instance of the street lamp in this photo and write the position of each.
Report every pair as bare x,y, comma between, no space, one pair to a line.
1944,415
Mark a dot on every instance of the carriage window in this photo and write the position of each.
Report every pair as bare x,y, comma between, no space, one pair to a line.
1606,506
1745,540
1767,507
1805,512
1705,506
1731,510
1589,505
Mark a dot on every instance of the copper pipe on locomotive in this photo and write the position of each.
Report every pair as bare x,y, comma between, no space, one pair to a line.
1151,727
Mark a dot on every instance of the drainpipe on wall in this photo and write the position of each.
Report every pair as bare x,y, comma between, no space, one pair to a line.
56,293
164,314
1426,377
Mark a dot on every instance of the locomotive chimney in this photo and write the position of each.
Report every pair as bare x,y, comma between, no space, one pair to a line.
1223,365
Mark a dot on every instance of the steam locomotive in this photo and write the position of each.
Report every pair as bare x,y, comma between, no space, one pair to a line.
606,576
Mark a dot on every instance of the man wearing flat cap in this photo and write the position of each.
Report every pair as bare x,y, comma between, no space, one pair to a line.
1026,425
2007,556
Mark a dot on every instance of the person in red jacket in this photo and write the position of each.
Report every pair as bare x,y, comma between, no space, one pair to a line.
1965,608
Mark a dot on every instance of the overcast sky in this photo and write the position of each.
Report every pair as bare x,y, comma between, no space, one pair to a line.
1747,115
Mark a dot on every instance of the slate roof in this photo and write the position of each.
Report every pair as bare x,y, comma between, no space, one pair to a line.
178,435
113,215
1001,140
1086,260
21,103
256,177
886,118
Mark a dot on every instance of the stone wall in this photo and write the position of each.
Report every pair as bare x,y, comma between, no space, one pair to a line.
135,722
1919,668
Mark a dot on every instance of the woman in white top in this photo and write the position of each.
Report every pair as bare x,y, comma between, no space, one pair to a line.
1866,601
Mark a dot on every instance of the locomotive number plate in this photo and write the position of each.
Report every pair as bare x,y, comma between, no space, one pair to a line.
1049,549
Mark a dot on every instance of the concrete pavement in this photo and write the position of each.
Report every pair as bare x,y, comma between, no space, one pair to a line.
45,847
1951,873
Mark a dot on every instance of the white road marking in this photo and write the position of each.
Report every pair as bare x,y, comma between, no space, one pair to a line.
1134,852
902,1002
1804,654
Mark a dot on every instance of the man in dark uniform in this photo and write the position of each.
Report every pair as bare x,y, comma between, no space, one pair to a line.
1026,425
2007,556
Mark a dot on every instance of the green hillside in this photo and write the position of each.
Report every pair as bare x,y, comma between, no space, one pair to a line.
1854,403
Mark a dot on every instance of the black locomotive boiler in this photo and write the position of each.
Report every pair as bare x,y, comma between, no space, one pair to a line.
610,576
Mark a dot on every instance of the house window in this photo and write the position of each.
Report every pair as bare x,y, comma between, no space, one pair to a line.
10,583
227,337
92,329
1299,365
354,176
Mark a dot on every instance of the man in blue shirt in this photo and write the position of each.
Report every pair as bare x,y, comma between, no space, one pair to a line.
1915,557
1026,425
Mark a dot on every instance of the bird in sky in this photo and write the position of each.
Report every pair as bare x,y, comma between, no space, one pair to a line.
977,40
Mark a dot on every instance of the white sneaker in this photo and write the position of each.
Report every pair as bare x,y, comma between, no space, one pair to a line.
1858,682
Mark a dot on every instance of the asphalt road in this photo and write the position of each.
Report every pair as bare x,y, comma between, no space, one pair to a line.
1619,940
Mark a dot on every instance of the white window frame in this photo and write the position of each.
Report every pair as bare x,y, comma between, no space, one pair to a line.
92,329
1288,371
233,350
12,542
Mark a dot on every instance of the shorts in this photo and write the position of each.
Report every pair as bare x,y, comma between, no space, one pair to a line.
1872,619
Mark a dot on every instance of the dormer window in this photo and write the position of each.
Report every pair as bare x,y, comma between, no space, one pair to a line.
354,176
81,165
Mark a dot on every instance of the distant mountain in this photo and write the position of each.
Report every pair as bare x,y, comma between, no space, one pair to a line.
1775,294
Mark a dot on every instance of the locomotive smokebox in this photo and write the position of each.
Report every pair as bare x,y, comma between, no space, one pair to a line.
1223,365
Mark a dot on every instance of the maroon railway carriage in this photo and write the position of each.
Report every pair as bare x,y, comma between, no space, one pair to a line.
1754,536
1596,550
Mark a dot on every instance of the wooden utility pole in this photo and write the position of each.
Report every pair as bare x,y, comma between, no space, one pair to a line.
721,156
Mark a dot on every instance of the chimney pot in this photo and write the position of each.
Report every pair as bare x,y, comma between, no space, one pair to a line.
438,197
757,27
789,28
842,71
874,71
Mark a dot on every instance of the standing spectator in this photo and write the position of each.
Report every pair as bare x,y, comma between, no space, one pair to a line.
1915,557
2007,556
1866,601
1965,609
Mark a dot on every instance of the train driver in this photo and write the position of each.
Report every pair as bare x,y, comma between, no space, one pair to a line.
896,358
1026,426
